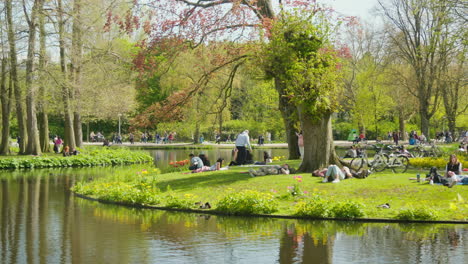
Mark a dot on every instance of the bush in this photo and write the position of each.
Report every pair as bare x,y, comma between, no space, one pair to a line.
347,210
187,202
432,162
421,213
248,202
319,208
315,207
135,193
102,157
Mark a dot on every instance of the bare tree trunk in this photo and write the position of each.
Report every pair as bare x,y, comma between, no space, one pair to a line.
76,71
402,122
288,111
5,96
43,118
33,146
319,149
69,137
14,75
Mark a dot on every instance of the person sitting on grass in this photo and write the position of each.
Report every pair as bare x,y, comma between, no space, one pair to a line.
270,170
66,151
195,162
334,174
453,171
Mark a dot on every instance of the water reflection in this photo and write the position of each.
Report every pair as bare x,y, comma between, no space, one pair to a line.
41,222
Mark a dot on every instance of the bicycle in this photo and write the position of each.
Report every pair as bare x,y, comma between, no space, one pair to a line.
397,162
420,151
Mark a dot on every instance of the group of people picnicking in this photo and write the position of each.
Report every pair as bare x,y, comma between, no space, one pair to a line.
66,151
241,155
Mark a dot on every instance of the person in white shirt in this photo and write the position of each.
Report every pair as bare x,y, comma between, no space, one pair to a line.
242,141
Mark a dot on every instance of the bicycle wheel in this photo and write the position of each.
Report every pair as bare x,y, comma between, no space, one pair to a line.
357,164
400,164
380,162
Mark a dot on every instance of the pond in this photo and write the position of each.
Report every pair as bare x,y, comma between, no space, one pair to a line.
42,222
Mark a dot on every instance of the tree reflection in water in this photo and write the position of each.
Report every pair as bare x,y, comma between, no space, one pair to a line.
41,221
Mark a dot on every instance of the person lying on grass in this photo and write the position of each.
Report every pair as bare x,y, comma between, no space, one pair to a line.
270,170
217,166
334,174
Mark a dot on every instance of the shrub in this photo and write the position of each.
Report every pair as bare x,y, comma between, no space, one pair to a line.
248,202
188,202
320,208
421,213
314,207
103,157
433,162
347,210
138,192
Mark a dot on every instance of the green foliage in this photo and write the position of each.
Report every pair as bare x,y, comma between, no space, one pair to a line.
347,210
314,207
300,55
433,162
187,202
134,193
421,213
318,207
102,157
248,202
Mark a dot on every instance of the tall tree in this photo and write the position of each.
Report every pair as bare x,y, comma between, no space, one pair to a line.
22,133
33,146
43,118
300,55
418,26
77,54
69,137
194,22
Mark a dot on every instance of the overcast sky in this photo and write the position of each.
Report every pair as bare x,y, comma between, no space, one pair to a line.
360,8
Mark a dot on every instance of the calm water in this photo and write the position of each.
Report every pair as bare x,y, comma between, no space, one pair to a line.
41,222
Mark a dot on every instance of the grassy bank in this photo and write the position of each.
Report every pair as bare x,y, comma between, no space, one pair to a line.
235,192
87,158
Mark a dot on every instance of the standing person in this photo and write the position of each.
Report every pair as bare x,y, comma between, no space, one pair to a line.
170,137
395,138
300,143
57,144
158,138
242,141
131,138
91,136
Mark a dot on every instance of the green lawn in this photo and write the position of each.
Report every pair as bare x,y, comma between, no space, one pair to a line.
378,188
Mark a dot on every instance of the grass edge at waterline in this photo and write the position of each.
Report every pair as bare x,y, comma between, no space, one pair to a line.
410,201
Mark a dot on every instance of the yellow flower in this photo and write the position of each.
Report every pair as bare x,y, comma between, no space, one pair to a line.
453,206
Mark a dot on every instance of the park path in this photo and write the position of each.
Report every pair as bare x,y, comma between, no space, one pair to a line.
339,143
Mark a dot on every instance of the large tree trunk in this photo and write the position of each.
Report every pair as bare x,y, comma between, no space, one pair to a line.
76,71
69,137
402,125
5,96
43,118
14,75
288,111
425,116
319,149
33,146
